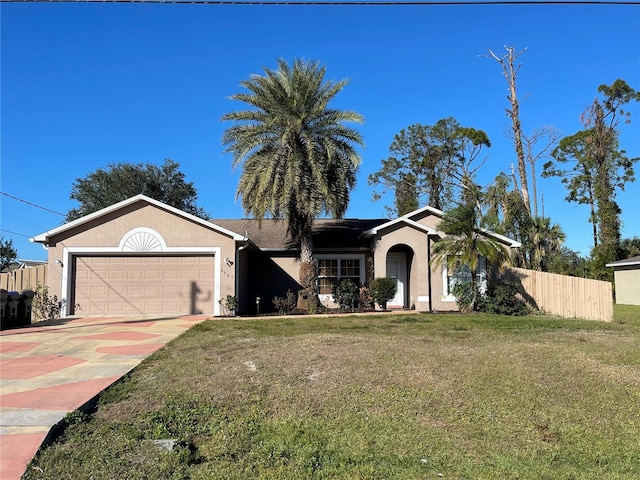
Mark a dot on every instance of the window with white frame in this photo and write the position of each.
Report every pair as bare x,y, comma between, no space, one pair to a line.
461,275
333,268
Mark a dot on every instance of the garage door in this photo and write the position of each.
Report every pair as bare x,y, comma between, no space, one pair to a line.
140,285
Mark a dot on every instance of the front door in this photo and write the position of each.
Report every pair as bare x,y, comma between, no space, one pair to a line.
397,268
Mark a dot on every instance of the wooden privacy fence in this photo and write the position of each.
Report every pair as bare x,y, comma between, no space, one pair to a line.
565,296
27,278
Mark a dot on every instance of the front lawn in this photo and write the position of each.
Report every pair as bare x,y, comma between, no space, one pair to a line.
370,397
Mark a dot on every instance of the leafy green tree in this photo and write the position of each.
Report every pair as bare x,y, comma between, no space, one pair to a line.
465,244
507,214
579,176
630,247
406,194
600,169
7,253
429,164
298,158
495,203
565,261
511,217
119,181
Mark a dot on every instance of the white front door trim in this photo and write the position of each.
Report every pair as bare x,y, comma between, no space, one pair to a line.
398,262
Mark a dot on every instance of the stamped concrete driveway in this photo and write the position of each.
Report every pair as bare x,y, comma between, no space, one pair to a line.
52,368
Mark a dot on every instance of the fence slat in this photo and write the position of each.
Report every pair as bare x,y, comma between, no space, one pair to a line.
27,278
565,296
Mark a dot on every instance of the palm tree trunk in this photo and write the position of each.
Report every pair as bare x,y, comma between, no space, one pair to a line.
474,291
308,273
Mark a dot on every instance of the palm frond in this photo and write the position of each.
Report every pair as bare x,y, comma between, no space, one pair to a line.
298,158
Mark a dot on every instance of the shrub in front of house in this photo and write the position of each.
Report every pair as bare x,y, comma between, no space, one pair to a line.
308,301
286,304
229,304
464,297
502,299
383,289
47,307
346,294
365,300
499,298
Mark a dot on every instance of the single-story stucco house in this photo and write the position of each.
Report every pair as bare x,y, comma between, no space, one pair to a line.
626,276
141,256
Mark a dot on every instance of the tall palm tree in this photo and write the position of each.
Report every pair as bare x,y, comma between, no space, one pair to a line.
465,244
298,158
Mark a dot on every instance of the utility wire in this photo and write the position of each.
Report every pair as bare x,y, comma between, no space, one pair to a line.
33,204
369,3
15,233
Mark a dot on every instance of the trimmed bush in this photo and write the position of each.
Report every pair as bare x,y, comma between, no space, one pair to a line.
346,294
383,289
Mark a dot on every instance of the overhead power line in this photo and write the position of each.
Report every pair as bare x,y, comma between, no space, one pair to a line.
15,233
33,204
344,2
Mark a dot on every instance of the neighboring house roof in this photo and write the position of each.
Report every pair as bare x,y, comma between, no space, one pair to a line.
270,234
21,263
44,237
626,262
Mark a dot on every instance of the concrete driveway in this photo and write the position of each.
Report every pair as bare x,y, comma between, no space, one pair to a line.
52,368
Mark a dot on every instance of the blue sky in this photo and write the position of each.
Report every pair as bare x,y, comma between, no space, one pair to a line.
83,85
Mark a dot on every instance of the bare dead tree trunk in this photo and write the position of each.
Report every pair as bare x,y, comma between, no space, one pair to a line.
535,190
510,71
551,135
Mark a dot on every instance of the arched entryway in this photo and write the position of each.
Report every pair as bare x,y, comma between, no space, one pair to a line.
399,259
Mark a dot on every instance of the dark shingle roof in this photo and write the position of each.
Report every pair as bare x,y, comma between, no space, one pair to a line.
327,233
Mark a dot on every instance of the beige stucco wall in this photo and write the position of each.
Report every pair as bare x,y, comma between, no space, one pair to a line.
402,235
627,281
426,282
440,303
106,232
428,220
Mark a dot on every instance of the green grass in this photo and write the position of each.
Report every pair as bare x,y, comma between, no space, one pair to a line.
375,397
627,314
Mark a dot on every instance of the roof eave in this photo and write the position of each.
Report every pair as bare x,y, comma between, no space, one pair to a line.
403,219
44,237
625,264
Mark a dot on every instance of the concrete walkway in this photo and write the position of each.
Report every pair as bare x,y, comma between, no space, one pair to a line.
52,368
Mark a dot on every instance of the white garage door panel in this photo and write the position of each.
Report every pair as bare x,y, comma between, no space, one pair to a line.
144,284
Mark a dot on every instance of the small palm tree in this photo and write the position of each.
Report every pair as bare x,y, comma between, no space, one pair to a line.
545,239
464,245
298,157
